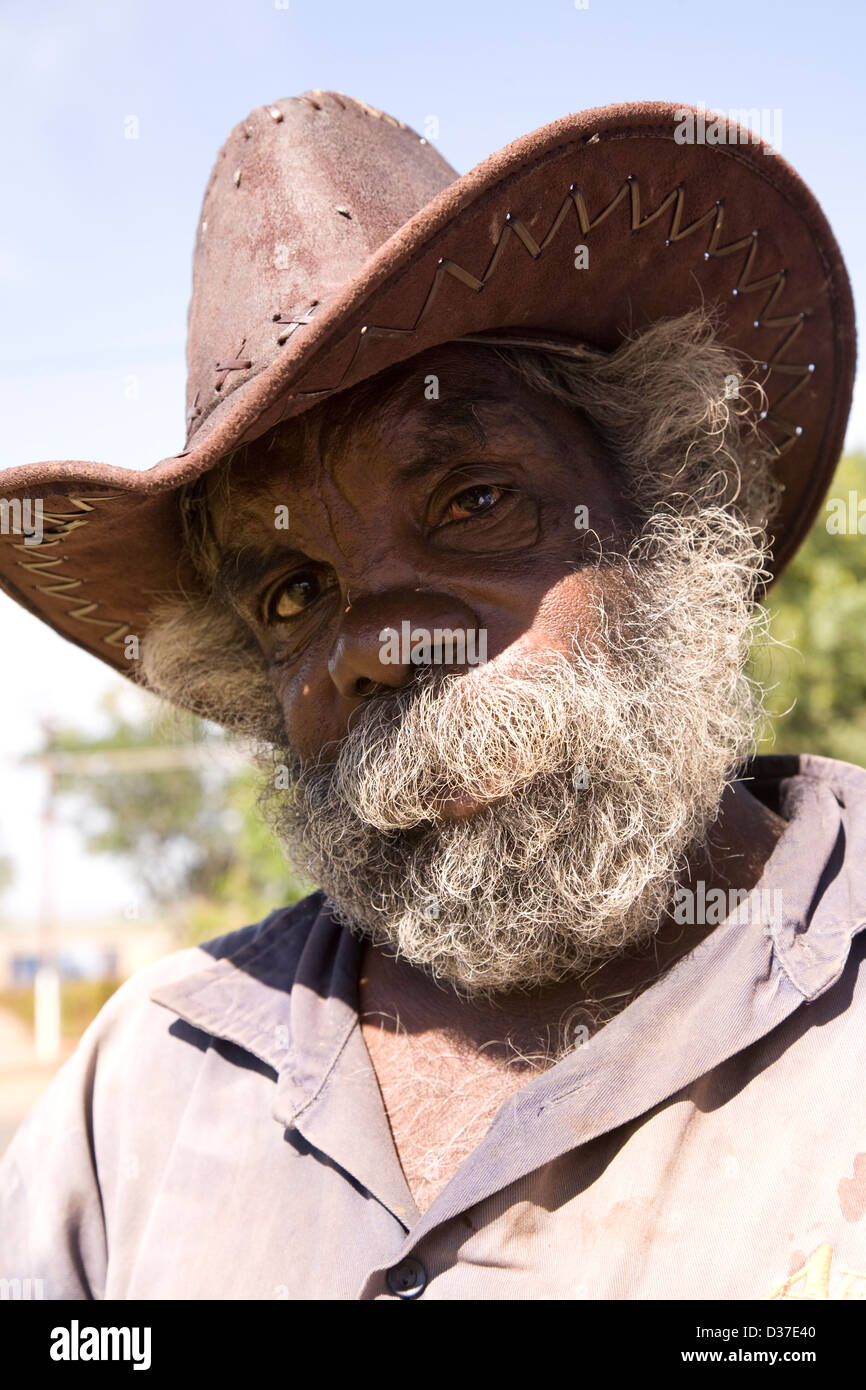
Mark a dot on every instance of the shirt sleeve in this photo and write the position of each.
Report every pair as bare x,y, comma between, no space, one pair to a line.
52,1231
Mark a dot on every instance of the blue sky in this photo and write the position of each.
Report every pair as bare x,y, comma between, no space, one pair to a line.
96,240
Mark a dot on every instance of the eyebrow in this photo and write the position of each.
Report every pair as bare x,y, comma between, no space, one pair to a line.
454,422
245,566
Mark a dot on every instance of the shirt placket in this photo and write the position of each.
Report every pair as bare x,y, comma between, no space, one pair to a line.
737,985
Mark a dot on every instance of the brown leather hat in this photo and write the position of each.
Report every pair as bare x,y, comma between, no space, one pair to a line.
334,242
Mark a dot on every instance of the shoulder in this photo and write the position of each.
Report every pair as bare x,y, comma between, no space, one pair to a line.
113,1111
241,962
286,927
153,1034
846,780
782,780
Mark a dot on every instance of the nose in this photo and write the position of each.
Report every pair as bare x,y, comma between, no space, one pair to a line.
379,632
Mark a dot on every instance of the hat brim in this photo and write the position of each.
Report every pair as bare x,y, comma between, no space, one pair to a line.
667,226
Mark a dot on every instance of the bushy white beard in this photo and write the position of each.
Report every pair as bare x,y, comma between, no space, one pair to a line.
557,875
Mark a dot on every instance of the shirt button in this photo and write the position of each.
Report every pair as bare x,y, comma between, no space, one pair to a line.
407,1279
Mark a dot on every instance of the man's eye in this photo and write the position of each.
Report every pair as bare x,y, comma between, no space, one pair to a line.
292,597
473,501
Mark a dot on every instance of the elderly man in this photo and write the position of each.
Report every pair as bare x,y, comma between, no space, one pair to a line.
479,571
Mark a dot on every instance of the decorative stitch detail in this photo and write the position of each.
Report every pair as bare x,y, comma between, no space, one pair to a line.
677,232
67,522
63,524
295,320
235,364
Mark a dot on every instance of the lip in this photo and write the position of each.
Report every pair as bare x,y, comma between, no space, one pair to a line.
460,807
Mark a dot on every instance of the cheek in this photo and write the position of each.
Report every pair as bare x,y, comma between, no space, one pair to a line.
572,609
310,715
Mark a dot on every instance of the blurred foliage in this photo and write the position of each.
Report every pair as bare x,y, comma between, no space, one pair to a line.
191,836
7,873
818,607
80,1002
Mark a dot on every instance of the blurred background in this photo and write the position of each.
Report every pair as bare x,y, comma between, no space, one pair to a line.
124,835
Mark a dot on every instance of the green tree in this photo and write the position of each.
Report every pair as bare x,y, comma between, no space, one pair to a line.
818,607
7,873
187,829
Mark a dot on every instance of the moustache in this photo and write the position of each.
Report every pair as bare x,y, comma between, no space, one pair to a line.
450,744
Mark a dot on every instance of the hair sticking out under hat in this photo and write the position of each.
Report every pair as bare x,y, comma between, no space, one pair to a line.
661,403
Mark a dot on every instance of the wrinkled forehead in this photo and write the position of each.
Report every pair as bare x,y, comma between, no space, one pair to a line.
450,396
442,386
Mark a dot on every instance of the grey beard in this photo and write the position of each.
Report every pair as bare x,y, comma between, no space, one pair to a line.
610,766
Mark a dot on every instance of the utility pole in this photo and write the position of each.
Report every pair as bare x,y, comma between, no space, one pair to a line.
46,985
107,762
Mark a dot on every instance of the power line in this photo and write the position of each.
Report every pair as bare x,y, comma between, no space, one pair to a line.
101,762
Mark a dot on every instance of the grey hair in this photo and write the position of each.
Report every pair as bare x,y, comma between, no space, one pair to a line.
660,403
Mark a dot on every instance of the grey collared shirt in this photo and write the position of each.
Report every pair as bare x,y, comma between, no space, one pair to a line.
219,1132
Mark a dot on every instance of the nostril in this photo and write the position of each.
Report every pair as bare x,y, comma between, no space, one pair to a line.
364,686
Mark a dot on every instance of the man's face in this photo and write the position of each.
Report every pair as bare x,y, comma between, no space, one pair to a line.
457,513
505,824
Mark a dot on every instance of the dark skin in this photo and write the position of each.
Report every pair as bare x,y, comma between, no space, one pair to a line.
455,531
370,549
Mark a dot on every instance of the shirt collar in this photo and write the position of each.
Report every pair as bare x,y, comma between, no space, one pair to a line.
289,994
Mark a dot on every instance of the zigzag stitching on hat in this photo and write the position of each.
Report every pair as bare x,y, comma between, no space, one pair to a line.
112,639
776,283
69,522
574,198
60,586
73,524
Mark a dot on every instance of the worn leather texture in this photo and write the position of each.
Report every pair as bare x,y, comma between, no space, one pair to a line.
335,242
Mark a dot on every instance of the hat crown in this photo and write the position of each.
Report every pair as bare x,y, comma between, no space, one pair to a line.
302,193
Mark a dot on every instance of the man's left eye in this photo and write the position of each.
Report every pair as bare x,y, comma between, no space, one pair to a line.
473,501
